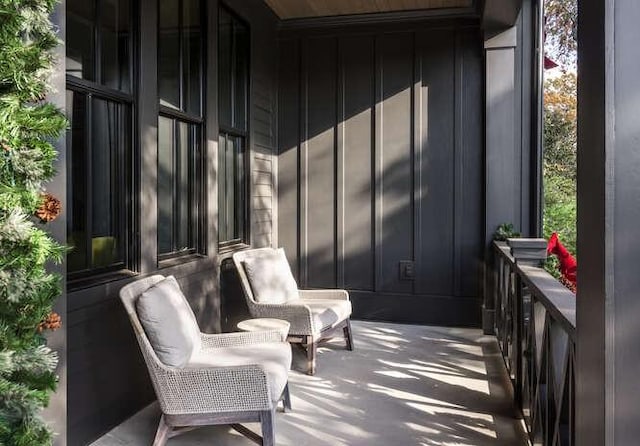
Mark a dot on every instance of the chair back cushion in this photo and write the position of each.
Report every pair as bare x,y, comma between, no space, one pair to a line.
169,323
270,278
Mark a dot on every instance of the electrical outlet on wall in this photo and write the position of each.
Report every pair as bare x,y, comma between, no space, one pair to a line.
407,270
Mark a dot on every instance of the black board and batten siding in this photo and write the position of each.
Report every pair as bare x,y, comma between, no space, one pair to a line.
107,379
381,162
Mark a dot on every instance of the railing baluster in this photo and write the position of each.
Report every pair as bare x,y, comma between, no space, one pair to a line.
535,329
519,326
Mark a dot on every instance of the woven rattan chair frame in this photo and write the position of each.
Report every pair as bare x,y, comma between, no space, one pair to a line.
193,397
304,329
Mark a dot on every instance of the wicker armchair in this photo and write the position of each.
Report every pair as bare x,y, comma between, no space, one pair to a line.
195,396
316,316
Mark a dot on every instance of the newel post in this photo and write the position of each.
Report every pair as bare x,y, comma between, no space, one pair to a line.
528,251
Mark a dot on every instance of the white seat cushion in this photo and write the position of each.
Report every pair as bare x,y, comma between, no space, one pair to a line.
274,357
169,323
270,278
327,312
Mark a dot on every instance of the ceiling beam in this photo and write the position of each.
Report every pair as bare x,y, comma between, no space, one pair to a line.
298,9
379,18
498,15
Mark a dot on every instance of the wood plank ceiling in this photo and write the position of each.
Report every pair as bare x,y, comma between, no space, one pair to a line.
295,9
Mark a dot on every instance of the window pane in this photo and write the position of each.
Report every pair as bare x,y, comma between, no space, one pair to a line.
231,188
115,35
222,188
231,211
77,258
241,75
183,195
240,195
178,180
80,38
169,53
107,177
224,67
100,135
165,185
192,53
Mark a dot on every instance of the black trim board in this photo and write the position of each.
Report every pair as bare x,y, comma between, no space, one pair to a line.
444,311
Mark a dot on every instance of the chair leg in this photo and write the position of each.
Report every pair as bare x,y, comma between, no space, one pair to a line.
286,399
312,349
162,434
348,336
268,433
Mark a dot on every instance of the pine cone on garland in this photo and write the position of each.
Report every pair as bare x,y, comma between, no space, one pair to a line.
52,322
49,209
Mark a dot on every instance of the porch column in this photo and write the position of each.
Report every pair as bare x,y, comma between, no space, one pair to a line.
608,301
502,185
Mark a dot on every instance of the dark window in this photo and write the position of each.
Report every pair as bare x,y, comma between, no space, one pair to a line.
231,187
233,91
180,177
99,42
100,112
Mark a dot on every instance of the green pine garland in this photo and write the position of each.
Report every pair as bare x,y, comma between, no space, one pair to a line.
28,127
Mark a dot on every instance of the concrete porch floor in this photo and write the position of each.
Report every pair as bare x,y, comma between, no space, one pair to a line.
403,385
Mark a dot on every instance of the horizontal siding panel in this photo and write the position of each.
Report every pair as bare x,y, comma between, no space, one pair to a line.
262,129
262,178
264,109
262,164
262,203
263,115
262,240
264,140
261,85
262,102
262,190
264,227
262,215
264,150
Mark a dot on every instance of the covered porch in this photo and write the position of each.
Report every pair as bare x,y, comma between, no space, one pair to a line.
381,148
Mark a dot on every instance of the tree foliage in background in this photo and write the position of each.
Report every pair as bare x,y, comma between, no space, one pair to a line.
560,144
561,31
560,126
28,126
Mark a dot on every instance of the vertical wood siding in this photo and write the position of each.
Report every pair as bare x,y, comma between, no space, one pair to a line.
381,161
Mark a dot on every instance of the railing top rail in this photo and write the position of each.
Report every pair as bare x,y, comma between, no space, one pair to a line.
557,299
503,249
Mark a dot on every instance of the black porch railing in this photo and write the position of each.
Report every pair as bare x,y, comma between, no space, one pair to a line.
536,327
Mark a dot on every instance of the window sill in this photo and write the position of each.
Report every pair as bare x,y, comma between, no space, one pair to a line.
179,260
231,247
98,279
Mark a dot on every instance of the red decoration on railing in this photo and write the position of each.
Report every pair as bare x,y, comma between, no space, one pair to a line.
549,64
568,265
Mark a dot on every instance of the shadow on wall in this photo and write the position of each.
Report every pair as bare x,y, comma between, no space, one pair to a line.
383,163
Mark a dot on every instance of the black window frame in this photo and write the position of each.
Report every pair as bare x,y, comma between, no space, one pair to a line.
97,56
194,122
227,131
128,217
